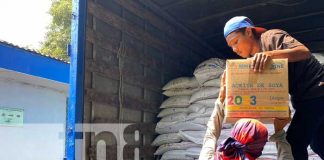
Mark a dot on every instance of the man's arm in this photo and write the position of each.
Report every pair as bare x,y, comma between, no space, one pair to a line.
282,46
213,132
259,60
293,54
214,124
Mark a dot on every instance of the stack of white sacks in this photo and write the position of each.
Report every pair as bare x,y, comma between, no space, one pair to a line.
185,113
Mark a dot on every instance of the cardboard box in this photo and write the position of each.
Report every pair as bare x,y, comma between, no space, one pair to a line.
256,95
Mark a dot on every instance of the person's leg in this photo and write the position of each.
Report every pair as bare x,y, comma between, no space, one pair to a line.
297,135
317,141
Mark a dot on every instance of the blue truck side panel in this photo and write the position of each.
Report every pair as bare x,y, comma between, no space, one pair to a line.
75,105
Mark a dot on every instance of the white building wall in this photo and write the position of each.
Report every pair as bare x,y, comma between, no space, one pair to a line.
42,136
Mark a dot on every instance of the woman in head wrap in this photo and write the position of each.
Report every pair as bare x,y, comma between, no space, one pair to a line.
247,140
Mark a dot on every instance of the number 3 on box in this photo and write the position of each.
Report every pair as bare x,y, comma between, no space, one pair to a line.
253,100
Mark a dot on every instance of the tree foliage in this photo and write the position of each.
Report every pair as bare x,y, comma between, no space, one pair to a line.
59,31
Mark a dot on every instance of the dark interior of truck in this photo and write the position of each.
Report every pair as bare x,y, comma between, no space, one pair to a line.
303,19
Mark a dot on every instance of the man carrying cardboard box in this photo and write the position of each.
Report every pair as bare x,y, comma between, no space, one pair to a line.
305,77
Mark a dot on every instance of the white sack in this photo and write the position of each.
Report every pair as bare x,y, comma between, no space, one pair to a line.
176,155
182,82
174,117
170,111
166,138
212,83
193,136
207,102
176,101
201,120
195,107
209,69
180,92
177,126
174,146
205,93
193,152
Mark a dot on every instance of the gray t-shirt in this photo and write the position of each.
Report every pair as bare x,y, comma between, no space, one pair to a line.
305,75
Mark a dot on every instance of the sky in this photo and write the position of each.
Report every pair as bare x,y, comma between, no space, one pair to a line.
24,22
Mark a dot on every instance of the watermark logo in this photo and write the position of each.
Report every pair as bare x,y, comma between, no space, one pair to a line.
124,140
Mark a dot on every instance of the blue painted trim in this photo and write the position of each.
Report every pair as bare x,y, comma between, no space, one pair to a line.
75,106
27,62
